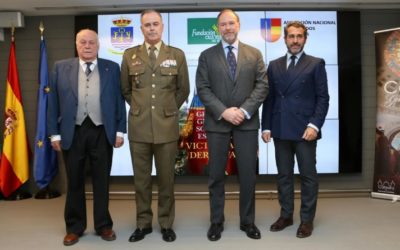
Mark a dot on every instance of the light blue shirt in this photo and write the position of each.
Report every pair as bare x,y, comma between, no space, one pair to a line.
235,48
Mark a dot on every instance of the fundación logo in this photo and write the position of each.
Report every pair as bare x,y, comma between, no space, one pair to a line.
203,31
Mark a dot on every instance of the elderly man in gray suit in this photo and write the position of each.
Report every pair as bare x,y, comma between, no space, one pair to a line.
232,84
86,119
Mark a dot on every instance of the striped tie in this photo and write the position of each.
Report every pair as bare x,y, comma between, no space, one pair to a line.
88,70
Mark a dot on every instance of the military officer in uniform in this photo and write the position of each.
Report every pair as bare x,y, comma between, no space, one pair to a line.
155,83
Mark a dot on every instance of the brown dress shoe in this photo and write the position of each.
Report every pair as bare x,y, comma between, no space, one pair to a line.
70,239
108,234
281,224
305,230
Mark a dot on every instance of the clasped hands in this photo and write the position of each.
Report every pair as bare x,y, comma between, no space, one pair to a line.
233,115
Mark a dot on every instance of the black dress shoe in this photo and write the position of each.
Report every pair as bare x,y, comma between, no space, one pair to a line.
139,234
305,230
214,232
251,231
168,234
281,224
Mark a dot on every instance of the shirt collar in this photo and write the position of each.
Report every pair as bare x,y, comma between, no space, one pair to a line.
83,63
157,45
234,45
298,55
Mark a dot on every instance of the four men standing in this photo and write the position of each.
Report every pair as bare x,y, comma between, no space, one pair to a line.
232,83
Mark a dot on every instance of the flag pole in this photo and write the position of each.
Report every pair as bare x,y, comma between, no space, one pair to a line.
45,192
41,28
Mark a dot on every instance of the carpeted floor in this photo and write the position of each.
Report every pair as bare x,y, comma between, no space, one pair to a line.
341,223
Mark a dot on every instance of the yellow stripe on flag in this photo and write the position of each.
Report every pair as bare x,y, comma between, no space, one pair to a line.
15,147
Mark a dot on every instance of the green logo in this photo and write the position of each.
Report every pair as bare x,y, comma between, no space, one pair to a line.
203,31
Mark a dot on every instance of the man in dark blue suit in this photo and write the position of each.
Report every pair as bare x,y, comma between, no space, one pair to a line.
86,118
293,114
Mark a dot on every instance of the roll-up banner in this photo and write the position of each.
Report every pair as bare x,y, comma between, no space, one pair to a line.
386,182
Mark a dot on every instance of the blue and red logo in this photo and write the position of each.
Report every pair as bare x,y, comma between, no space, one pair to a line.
271,29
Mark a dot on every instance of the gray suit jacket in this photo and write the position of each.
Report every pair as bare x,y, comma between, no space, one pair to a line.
218,91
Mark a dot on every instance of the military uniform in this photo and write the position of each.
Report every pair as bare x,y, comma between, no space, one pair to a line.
155,94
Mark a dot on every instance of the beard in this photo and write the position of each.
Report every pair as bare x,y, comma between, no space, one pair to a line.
229,37
295,48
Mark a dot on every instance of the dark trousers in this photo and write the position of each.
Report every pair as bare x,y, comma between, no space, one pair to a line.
245,148
90,142
305,153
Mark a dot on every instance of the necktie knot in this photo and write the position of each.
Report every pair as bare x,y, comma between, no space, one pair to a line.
292,62
231,61
88,70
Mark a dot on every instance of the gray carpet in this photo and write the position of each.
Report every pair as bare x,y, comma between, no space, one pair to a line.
341,223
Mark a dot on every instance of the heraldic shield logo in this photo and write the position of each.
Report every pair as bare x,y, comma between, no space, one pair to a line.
121,34
271,29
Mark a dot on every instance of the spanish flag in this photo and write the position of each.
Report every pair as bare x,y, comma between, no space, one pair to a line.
14,162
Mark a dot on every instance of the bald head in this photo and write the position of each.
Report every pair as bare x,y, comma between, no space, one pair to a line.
87,45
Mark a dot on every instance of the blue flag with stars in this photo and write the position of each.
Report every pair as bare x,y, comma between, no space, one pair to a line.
45,160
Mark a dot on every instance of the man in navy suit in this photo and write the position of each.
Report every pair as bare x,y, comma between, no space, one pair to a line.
232,83
86,118
293,114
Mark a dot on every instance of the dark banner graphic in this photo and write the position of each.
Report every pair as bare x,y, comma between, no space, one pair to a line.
387,142
193,150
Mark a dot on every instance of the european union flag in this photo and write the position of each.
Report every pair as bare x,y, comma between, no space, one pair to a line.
45,161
